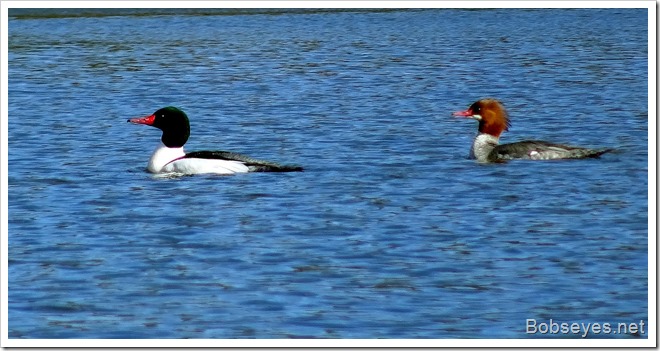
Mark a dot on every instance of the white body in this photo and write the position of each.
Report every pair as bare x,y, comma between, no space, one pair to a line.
482,145
169,159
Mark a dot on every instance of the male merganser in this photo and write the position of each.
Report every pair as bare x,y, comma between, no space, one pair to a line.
170,157
493,120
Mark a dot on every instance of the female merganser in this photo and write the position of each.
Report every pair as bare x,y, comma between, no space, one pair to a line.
170,157
493,120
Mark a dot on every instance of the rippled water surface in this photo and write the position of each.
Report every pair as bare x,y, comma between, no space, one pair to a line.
391,232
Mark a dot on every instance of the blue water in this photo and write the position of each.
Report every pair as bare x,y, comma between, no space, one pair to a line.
391,232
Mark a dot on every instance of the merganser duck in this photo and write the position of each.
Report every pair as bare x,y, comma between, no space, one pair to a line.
170,157
493,120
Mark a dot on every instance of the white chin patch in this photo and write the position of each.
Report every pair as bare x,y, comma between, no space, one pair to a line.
477,117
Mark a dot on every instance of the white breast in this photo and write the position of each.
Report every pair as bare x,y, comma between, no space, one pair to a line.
162,156
482,145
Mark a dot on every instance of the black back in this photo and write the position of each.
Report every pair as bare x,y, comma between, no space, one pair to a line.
255,165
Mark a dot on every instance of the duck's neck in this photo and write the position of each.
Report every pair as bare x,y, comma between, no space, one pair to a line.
482,145
162,156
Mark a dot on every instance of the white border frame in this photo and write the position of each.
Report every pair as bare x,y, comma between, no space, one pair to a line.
404,343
